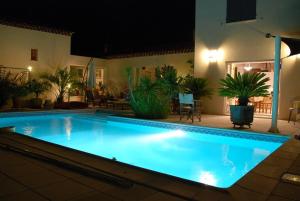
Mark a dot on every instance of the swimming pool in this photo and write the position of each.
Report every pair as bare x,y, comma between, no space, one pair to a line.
216,157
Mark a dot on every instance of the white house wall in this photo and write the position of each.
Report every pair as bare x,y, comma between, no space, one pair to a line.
16,44
245,41
116,74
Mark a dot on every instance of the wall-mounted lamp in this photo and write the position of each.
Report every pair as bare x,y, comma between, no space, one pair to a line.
29,68
214,55
248,68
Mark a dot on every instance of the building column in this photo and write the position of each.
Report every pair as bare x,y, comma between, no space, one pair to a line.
274,128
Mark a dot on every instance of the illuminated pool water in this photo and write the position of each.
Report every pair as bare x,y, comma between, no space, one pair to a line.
216,157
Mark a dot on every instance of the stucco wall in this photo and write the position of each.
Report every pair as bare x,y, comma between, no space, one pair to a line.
244,41
16,44
115,68
289,85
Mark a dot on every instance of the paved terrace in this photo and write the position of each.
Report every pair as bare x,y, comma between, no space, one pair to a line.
223,121
26,178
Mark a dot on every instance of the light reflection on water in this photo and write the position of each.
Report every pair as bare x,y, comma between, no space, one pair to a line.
68,127
28,130
207,177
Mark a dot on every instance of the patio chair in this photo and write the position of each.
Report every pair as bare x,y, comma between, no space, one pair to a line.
296,110
186,105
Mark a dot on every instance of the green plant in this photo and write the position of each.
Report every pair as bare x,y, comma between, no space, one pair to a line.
168,76
61,78
19,88
191,63
38,87
77,87
6,86
244,86
150,99
197,86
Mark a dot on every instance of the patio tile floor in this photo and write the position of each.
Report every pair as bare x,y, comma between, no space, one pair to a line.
223,121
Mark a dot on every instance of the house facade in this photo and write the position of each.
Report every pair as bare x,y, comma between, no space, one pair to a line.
44,50
230,37
33,46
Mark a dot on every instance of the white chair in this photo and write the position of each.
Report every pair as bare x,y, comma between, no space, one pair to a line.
296,110
186,104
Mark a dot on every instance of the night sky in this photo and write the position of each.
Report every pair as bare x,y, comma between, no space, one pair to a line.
117,26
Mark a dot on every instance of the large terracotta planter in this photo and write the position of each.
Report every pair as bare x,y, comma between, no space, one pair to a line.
241,115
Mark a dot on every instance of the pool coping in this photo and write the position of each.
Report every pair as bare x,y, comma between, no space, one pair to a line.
258,184
280,138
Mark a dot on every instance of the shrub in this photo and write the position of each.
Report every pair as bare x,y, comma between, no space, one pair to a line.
38,87
61,79
168,75
197,86
150,99
6,86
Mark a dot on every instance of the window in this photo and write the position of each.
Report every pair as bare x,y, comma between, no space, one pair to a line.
76,71
240,10
99,75
34,54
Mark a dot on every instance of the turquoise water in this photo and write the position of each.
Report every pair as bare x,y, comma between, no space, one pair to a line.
206,158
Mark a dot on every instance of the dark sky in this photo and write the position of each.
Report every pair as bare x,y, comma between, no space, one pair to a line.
121,26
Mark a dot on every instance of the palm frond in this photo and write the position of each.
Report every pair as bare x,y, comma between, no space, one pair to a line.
244,85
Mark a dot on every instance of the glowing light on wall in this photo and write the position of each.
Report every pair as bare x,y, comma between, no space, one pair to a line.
29,68
248,68
285,50
214,55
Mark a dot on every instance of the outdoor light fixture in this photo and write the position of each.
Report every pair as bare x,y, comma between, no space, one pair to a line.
69,86
214,55
291,178
248,68
29,68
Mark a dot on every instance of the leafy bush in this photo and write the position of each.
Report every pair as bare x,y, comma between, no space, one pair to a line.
6,86
168,75
197,86
61,79
244,86
38,87
12,86
150,99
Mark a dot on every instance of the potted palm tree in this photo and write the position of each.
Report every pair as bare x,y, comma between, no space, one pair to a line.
19,89
243,87
38,87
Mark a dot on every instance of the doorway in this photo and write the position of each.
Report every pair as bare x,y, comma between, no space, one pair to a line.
262,105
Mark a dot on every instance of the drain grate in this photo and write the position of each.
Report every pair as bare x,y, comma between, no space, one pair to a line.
291,178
